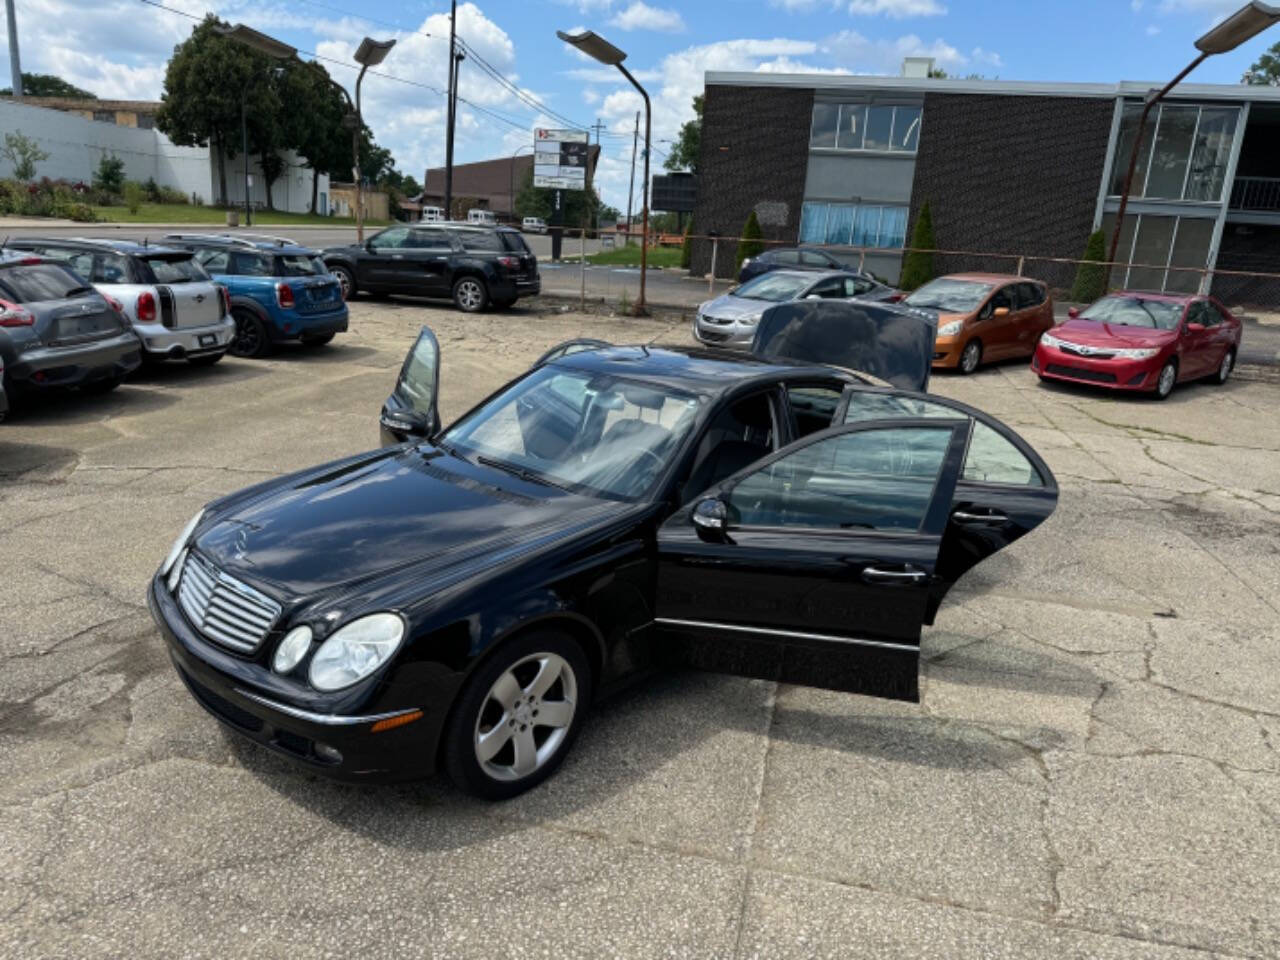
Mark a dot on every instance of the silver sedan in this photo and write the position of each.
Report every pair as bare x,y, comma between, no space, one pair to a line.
730,320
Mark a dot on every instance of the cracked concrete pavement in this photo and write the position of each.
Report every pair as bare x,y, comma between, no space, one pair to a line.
1093,770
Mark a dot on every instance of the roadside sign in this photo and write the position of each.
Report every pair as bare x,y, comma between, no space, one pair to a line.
560,159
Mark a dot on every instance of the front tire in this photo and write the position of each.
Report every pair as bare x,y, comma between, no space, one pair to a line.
518,715
970,357
470,294
1167,380
250,338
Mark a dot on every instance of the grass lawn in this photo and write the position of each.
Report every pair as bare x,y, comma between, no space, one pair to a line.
630,256
185,213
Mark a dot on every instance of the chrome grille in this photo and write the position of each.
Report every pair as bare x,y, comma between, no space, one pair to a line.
224,609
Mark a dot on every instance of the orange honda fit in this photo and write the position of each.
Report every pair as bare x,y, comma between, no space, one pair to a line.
984,316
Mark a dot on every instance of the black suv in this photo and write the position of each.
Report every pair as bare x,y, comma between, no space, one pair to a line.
474,265
789,258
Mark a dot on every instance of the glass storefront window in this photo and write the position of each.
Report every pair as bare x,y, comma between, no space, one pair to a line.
1214,137
1190,249
867,228
857,225
1189,236
826,117
1171,152
840,223
893,228
1155,235
852,124
813,223
906,129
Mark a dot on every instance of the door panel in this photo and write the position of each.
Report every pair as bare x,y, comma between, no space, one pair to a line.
376,262
421,266
821,576
411,412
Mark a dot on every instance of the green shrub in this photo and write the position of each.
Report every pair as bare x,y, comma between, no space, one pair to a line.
110,174
1091,276
152,190
134,194
686,248
917,268
21,151
170,195
750,245
81,213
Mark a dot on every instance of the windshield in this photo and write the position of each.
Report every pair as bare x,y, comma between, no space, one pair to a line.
950,296
1135,312
300,265
46,281
176,270
597,434
774,287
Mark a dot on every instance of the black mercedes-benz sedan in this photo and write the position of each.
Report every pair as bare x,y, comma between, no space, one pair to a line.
459,597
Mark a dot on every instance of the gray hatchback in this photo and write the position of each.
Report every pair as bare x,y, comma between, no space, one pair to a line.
730,320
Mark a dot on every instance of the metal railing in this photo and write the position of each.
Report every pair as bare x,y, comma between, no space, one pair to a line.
1255,193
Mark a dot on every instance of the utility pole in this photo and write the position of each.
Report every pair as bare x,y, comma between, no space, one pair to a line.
591,199
635,140
448,140
15,68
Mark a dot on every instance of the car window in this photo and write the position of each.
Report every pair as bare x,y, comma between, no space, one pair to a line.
1205,314
45,281
1029,295
390,238
1001,298
773,287
739,435
299,265
1222,314
856,286
513,242
615,441
812,407
880,479
479,240
251,265
78,260
214,261
429,238
810,259
990,457
171,269
828,289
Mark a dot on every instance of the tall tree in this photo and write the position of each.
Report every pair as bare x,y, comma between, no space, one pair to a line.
1265,72
47,85
917,267
685,151
314,110
205,84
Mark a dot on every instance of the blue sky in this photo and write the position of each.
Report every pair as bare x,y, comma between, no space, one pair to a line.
118,48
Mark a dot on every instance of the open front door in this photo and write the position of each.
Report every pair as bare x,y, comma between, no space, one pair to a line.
814,565
410,413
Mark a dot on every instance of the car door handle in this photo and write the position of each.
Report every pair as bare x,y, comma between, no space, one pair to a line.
906,574
397,256
964,516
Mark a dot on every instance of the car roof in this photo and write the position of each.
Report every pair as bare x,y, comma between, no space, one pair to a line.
688,368
1156,295
991,278
468,225
261,244
810,276
116,245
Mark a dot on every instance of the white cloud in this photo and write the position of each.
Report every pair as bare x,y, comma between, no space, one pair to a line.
897,9
1152,30
859,54
641,16
988,57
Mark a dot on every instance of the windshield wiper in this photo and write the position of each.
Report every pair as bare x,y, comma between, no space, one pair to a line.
524,474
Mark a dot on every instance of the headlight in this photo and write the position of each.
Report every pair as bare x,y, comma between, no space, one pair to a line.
1137,353
355,651
292,649
1050,341
175,573
750,320
950,328
180,544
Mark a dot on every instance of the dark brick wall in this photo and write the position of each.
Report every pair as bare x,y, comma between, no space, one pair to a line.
1011,174
755,148
1248,248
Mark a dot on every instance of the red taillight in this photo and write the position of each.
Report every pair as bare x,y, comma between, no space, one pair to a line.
511,263
12,315
146,307
226,300
284,295
895,298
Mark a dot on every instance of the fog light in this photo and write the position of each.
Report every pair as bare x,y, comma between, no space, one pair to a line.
292,649
327,753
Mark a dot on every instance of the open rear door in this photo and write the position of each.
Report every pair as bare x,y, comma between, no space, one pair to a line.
891,343
411,412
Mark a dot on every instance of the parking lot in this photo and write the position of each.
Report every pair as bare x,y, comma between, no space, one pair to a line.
1093,769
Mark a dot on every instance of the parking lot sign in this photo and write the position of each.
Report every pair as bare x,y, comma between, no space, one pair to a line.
560,159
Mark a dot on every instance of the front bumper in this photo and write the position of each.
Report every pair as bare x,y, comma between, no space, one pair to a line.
77,364
179,342
947,350
224,685
724,333
1050,363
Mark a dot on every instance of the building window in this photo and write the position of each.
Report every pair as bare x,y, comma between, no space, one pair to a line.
854,224
1152,248
1184,152
146,121
857,126
105,116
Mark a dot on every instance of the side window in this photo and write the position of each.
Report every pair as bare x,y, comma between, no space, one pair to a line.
990,457
81,263
787,258
812,407
856,286
1028,296
106,267
429,239
1204,313
215,261
1001,298
880,479
810,259
828,289
389,238
1221,313
251,265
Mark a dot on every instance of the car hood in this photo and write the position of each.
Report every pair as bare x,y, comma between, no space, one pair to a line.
1091,333
728,307
405,513
889,342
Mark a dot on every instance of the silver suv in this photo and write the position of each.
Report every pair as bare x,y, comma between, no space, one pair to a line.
176,310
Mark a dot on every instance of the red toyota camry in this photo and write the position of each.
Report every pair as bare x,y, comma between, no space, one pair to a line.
1132,340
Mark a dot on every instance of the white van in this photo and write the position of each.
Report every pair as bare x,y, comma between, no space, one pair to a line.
433,214
533,225
486,217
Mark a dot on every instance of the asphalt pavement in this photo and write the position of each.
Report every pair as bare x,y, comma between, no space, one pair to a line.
1092,772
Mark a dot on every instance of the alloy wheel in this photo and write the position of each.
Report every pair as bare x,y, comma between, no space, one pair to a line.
526,716
249,335
1164,386
1224,369
969,359
344,282
470,295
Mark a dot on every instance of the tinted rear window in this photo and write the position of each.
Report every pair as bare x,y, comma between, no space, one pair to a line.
300,265
479,240
513,242
46,281
176,269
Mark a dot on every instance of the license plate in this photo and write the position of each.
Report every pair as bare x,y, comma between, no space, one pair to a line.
80,326
208,339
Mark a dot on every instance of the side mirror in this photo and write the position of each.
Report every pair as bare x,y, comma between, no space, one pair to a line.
369,247
710,517
1000,312
407,422
1073,312
1193,327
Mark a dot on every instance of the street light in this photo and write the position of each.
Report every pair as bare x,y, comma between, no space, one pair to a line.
1243,25
370,53
597,47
